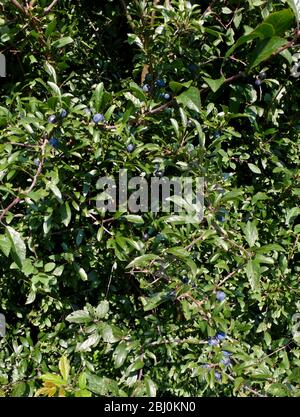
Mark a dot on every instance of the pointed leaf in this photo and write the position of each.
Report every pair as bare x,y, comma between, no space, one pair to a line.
251,233
64,367
18,246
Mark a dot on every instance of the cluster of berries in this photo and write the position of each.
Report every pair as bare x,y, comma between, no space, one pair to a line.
159,84
216,340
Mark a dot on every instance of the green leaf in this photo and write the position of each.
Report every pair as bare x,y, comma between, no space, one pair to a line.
18,246
63,42
82,274
281,21
292,214
295,6
129,96
51,71
111,334
100,233
253,274
5,244
295,376
54,88
91,341
138,364
50,27
55,191
53,378
251,233
102,309
176,87
19,389
98,97
31,297
66,214
190,99
214,84
49,266
83,393
278,390
150,387
269,248
155,300
183,254
142,260
64,367
101,385
276,24
254,168
82,380
120,354
79,316
265,49
133,218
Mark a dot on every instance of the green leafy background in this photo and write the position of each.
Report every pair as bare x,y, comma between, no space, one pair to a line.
129,304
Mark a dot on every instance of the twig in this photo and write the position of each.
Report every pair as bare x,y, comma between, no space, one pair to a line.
18,6
48,9
229,275
247,388
164,342
129,18
188,247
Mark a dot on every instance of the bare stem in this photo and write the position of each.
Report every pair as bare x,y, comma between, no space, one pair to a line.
48,9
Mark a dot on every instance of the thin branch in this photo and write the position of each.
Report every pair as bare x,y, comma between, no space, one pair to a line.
129,18
19,6
48,9
247,388
229,276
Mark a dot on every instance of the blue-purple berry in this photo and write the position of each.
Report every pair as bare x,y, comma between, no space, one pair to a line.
130,147
225,361
160,83
192,67
221,336
52,118
218,376
53,142
220,295
213,341
257,82
166,96
146,88
63,113
98,118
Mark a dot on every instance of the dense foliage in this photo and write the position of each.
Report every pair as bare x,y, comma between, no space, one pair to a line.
144,304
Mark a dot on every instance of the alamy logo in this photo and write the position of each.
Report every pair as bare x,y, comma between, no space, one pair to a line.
2,65
183,195
2,325
295,71
296,325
